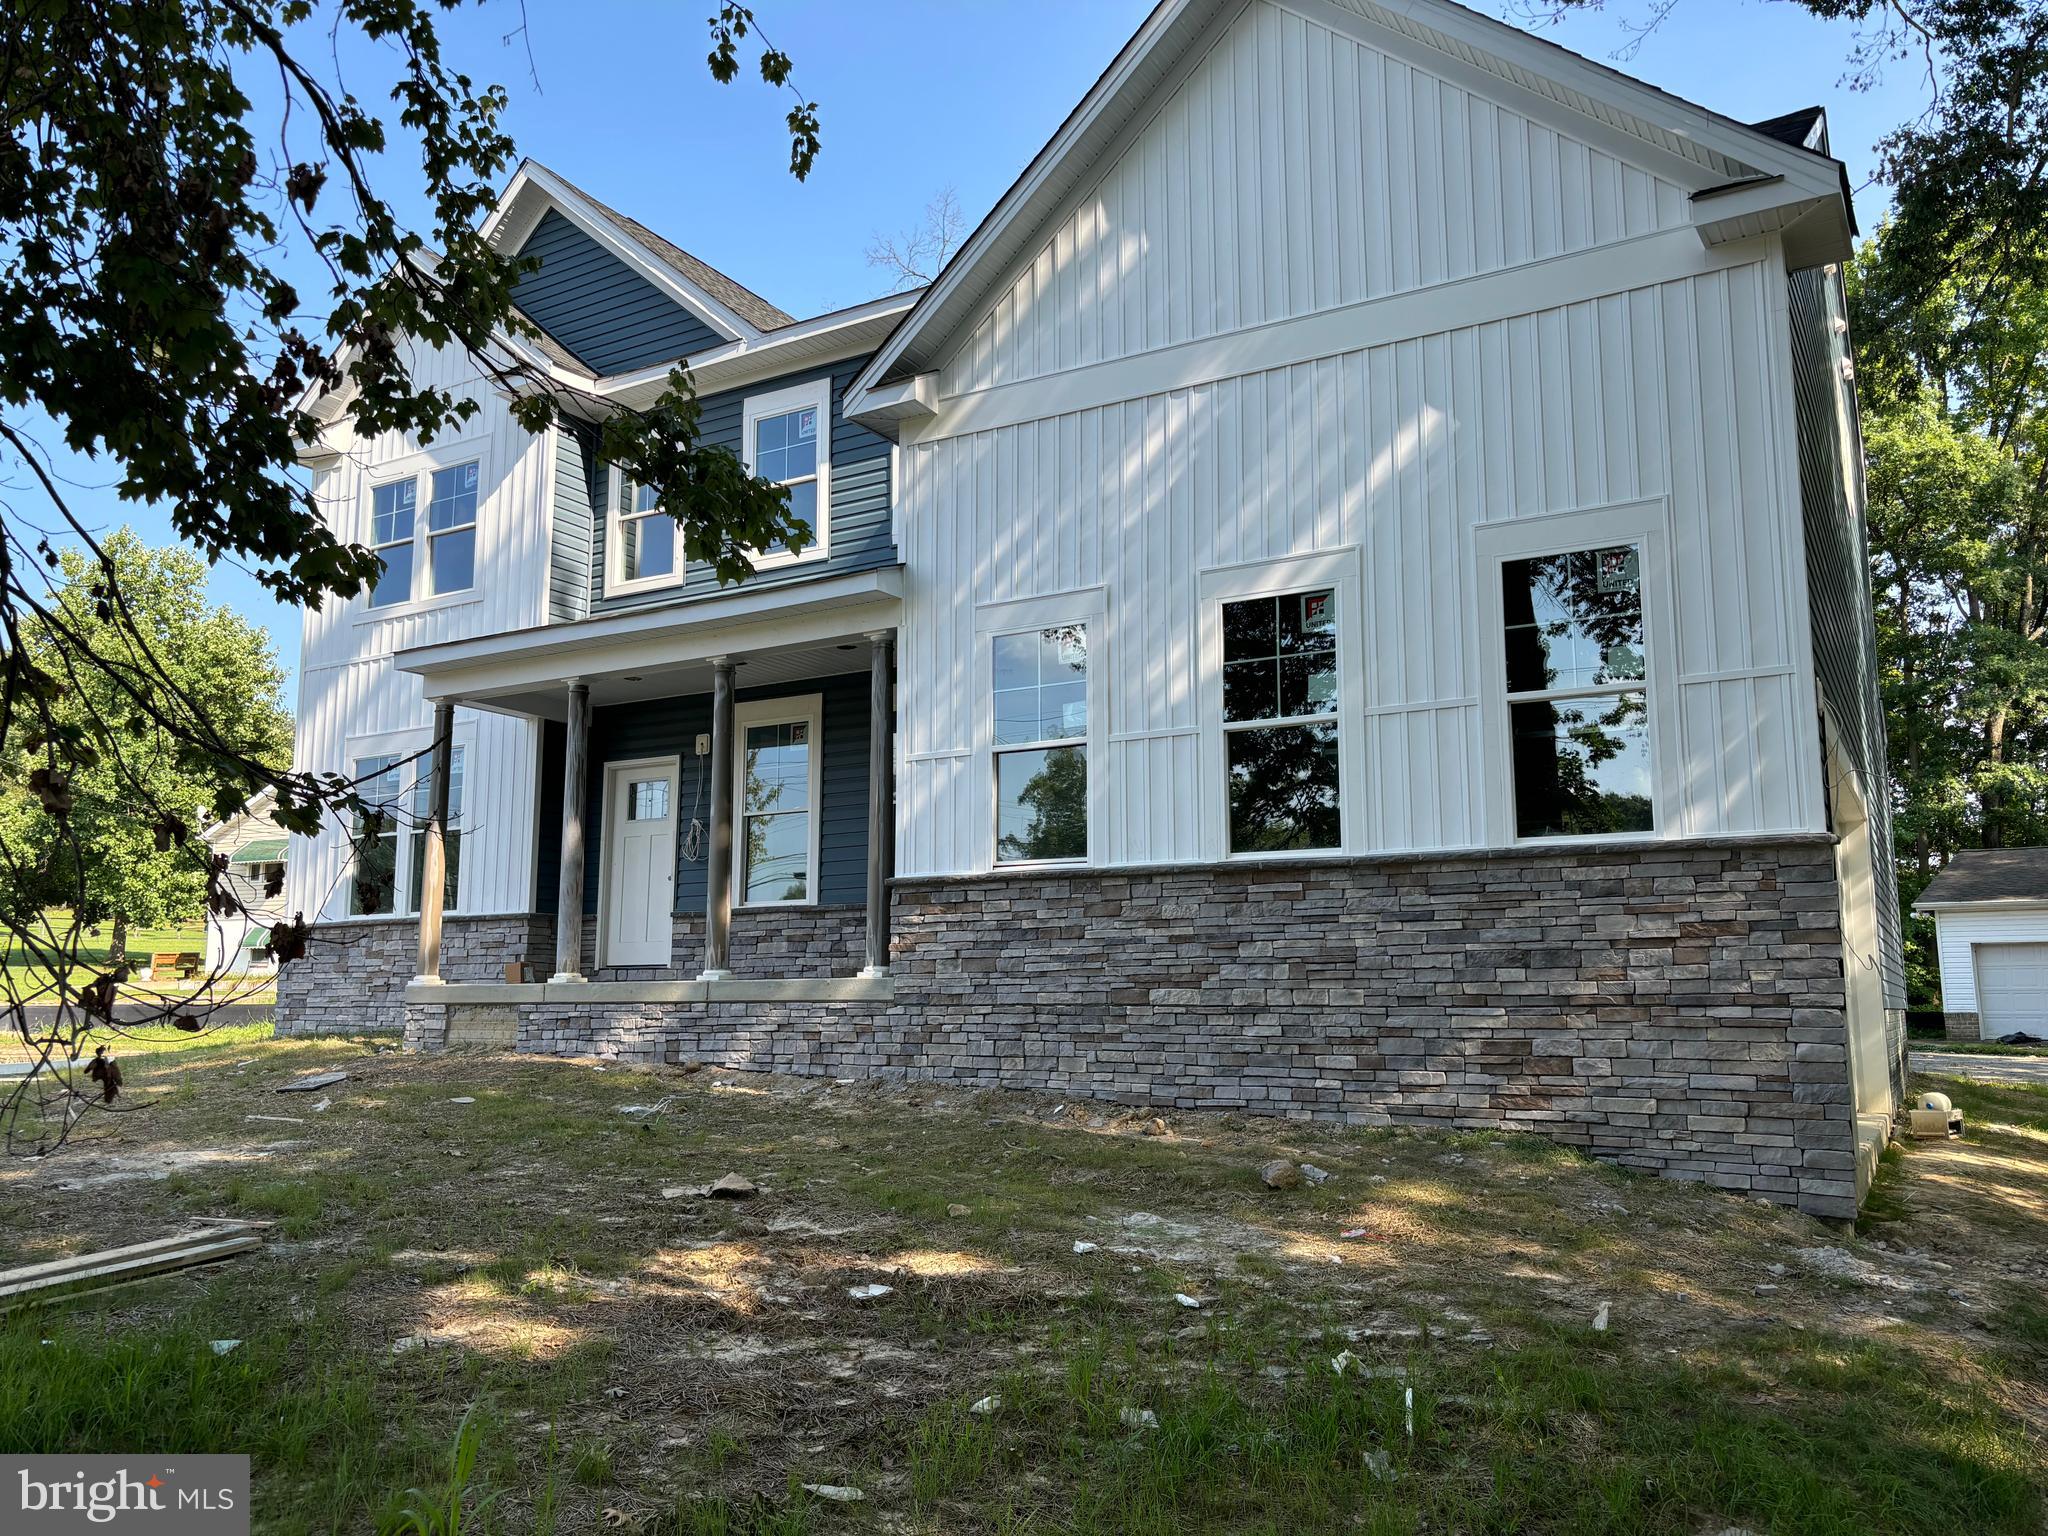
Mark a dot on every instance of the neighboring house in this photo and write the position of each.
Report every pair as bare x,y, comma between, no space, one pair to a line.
1990,911
238,943
1345,598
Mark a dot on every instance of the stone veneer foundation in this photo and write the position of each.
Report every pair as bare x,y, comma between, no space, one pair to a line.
1674,1007
354,974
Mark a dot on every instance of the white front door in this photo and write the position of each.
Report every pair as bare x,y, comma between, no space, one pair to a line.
2012,989
639,862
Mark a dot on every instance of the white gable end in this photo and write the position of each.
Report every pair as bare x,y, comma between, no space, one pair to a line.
1298,169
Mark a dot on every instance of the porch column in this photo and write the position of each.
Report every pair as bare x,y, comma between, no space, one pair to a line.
569,894
434,859
718,868
881,802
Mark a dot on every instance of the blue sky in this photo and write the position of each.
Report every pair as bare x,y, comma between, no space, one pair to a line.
918,95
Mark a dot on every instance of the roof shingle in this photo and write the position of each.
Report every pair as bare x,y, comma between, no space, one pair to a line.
1990,874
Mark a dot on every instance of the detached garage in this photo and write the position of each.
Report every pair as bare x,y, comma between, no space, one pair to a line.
1990,911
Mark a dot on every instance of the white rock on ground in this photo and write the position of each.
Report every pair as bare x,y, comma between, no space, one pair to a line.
870,1292
988,1404
1138,1418
834,1492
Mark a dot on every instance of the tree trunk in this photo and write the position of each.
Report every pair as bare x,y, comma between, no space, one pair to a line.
117,943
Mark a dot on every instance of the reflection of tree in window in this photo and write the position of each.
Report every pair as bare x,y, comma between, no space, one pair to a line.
1578,709
374,888
1280,722
1040,679
776,812
1042,799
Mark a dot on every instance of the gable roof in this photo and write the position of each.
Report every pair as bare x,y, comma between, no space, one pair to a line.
727,307
734,295
1703,150
1988,874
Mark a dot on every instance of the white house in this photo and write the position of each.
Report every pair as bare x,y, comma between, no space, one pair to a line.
1990,911
1344,598
238,942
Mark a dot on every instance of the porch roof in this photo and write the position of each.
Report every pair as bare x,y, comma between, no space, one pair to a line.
776,634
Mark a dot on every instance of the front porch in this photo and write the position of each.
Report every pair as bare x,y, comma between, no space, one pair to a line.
716,807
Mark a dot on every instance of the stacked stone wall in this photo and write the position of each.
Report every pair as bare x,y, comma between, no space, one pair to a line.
1679,1008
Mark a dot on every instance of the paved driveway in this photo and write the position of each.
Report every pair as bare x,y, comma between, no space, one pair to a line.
1984,1069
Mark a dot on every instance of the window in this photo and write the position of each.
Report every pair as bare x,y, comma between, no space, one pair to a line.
646,538
451,530
1577,693
449,560
451,841
1280,722
1040,698
788,441
392,514
374,889
390,840
778,801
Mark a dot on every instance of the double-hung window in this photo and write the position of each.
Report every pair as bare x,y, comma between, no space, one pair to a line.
644,537
1040,688
780,785
390,836
451,530
789,441
448,562
394,509
1578,692
373,891
451,835
1280,722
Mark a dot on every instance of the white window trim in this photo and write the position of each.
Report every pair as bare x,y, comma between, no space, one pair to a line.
614,772
1645,524
1342,572
615,582
1087,607
817,393
807,708
419,468
402,745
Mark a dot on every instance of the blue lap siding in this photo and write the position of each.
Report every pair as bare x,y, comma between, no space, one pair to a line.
611,317
859,513
669,728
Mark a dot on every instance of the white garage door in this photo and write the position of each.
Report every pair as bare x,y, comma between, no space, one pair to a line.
2012,988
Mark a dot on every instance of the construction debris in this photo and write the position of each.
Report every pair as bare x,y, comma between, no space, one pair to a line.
834,1492
1600,1318
1314,1174
1082,1245
733,1187
870,1292
314,1083
1138,1418
88,1272
987,1404
1193,1304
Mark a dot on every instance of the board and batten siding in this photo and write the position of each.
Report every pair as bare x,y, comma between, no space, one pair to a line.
670,727
861,533
1837,577
1957,934
607,314
1677,390
349,688
1296,170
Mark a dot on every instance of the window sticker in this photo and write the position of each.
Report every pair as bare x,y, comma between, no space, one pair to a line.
807,424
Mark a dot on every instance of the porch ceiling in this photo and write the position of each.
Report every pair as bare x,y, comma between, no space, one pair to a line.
775,635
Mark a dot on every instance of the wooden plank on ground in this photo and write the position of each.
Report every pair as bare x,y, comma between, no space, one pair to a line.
49,1267
308,1084
135,1267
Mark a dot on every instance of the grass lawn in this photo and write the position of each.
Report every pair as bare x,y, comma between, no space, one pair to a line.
543,1262
28,982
